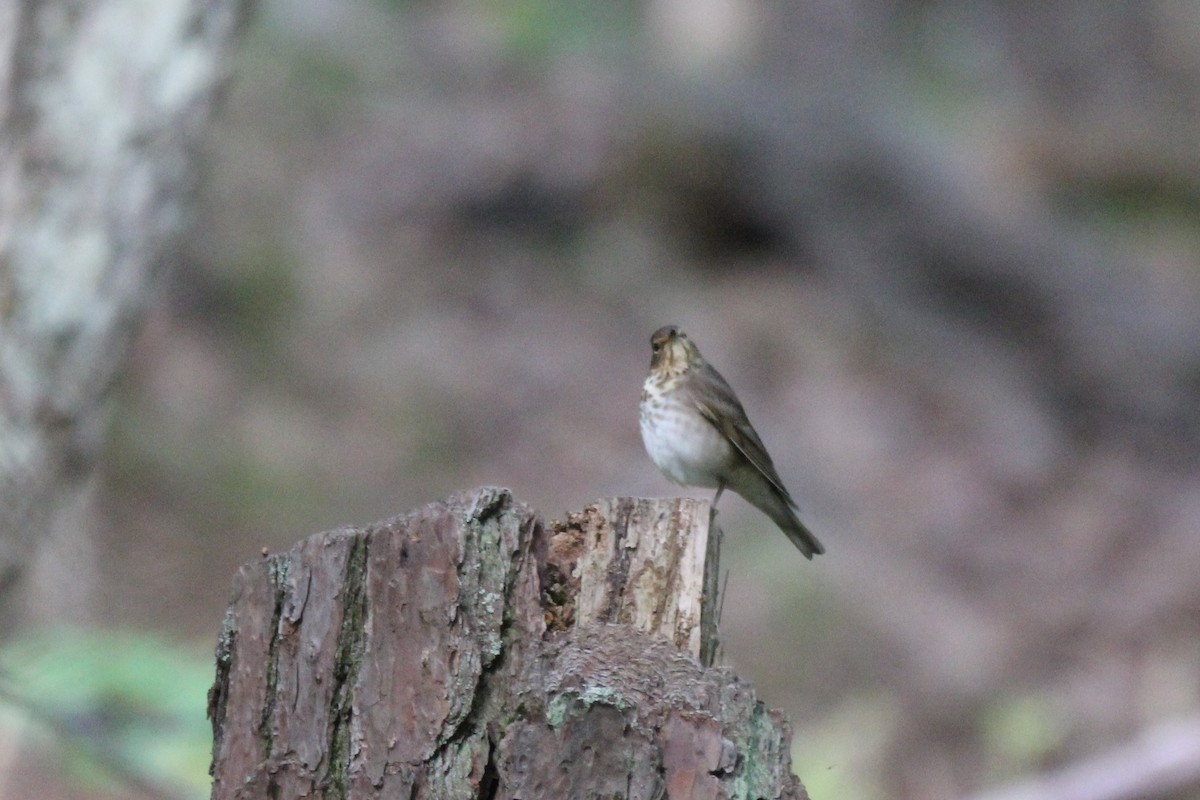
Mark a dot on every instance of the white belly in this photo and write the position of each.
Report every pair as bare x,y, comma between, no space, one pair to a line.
683,444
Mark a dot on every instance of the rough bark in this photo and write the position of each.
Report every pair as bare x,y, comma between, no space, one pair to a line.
101,108
448,653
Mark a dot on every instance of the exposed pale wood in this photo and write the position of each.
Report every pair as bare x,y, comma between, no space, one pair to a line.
438,655
645,563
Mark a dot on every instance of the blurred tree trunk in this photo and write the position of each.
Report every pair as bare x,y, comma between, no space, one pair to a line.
465,650
101,106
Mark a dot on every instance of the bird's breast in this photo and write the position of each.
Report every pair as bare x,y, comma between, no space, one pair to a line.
681,442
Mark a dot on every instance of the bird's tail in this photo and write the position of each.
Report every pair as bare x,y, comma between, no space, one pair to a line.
782,512
800,535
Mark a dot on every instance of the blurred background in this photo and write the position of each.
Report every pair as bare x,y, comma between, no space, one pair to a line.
948,253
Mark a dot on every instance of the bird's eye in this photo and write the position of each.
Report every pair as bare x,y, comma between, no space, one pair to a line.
656,347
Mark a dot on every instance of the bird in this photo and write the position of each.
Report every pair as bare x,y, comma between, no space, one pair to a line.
697,434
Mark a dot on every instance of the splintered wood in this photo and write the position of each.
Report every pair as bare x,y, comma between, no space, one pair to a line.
649,563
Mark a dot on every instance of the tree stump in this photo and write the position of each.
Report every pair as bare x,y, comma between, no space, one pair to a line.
466,650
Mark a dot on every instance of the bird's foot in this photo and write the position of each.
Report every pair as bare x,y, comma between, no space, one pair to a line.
717,497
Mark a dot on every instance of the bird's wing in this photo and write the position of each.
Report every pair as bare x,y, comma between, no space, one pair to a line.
717,403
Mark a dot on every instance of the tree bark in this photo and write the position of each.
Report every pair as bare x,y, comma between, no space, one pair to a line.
101,109
466,650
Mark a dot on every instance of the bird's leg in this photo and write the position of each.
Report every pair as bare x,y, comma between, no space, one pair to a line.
717,496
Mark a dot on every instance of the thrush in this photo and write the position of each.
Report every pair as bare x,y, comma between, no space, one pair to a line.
696,432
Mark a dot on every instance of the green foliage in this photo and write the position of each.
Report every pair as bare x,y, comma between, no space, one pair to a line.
1022,731
254,298
544,29
1131,198
118,707
834,755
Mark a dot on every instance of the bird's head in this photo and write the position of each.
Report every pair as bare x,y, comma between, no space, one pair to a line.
671,350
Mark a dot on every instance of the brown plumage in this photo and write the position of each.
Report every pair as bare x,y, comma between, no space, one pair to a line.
696,431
